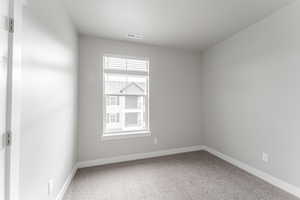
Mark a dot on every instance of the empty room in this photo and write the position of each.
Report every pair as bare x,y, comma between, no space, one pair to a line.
150,100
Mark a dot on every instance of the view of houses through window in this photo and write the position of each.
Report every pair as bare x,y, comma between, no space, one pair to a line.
126,95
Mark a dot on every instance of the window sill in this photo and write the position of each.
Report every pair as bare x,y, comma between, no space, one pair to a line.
126,135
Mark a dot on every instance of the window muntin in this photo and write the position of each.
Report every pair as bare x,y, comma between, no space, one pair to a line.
126,95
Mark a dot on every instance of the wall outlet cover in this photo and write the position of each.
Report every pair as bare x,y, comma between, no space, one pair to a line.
155,140
50,187
265,157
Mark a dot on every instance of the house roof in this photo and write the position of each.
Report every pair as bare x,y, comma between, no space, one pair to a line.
133,85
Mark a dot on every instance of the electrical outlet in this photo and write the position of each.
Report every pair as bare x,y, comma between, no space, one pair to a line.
265,157
2,141
50,187
155,140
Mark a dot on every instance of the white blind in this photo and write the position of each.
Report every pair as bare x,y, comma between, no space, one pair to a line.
125,64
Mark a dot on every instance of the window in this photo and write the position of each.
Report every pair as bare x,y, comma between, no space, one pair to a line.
126,96
112,101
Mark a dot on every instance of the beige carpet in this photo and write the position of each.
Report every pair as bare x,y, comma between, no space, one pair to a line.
189,176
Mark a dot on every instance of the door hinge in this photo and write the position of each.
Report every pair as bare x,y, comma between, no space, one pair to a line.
8,138
11,25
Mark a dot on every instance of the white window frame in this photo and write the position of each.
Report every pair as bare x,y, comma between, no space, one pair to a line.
125,134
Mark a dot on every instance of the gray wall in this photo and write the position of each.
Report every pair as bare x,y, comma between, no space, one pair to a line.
174,99
49,75
251,90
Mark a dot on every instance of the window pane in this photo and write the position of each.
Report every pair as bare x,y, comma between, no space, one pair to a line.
112,100
133,120
118,84
115,118
113,121
131,102
127,115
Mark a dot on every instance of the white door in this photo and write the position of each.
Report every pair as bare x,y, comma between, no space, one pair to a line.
4,35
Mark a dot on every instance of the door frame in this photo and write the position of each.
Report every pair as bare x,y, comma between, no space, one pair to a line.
13,108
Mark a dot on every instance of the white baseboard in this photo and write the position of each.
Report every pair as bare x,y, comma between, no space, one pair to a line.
258,173
138,156
67,183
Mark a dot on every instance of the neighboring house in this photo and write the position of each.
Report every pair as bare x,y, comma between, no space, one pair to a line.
132,89
125,107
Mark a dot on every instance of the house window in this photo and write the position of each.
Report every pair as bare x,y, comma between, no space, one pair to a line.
126,96
113,118
112,101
